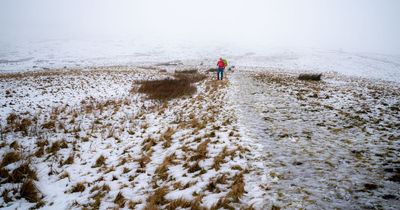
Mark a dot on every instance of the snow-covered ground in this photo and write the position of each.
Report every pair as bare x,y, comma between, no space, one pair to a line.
70,53
95,142
261,139
329,145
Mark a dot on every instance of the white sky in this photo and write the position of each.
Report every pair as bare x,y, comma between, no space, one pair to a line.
354,25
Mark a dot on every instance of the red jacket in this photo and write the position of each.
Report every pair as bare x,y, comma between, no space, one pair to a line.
221,64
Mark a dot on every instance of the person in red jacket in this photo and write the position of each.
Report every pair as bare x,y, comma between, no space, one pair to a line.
221,66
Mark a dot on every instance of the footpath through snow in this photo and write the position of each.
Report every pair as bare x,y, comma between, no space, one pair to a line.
327,145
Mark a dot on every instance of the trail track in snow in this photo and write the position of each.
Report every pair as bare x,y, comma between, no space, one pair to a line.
333,144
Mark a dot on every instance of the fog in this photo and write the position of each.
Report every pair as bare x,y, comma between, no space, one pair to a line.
352,25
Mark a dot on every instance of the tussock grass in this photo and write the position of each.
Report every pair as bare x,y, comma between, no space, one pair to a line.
101,160
156,199
310,77
223,203
237,188
49,125
56,146
166,137
10,157
192,77
143,160
148,144
187,71
220,158
21,173
69,160
120,200
194,167
162,169
201,151
5,196
167,89
29,191
179,203
78,187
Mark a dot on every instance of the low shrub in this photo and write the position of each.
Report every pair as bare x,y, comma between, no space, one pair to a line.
310,77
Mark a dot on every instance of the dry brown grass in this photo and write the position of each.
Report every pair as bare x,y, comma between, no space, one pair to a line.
237,188
11,118
148,144
194,167
56,146
162,169
5,196
192,77
166,137
120,200
143,160
49,125
101,160
156,199
29,191
167,89
310,77
24,125
201,151
220,158
10,157
78,187
182,203
24,171
223,203
69,160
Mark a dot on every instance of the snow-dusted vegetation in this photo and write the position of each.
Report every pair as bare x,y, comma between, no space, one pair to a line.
91,139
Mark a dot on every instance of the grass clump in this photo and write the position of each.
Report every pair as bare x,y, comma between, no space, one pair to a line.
120,200
29,191
167,89
310,77
10,157
162,169
156,199
21,173
101,160
79,187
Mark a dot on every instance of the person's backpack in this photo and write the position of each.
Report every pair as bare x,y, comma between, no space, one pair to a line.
225,62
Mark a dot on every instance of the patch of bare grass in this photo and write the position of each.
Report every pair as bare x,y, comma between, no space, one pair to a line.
237,188
162,169
166,137
29,191
120,200
167,89
156,199
101,160
10,157
78,187
310,77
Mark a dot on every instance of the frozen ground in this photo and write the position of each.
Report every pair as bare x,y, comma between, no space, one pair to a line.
262,139
88,139
70,53
331,144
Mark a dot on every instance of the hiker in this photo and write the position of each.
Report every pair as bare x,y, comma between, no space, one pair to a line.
222,63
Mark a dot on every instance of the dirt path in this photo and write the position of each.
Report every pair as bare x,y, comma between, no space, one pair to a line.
319,156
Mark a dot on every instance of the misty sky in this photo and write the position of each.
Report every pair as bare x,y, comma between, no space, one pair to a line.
354,25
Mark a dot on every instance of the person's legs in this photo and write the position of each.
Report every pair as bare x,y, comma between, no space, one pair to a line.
217,74
222,74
